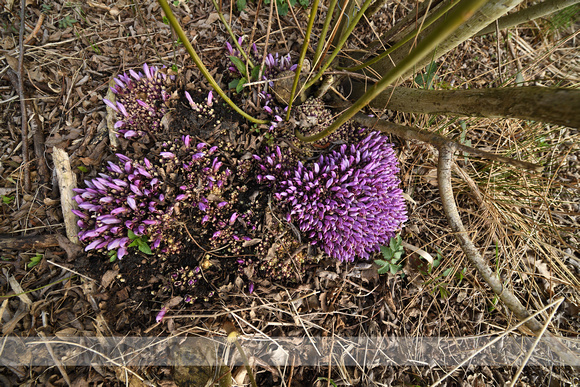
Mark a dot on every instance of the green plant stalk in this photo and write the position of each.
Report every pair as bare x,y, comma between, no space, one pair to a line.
322,39
187,44
42,287
244,358
232,35
341,43
463,11
302,55
440,12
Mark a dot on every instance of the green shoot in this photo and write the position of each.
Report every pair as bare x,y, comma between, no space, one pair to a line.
392,255
34,261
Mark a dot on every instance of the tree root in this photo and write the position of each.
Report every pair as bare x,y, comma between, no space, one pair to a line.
473,255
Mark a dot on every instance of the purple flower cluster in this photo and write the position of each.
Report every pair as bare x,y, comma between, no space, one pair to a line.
203,185
129,197
140,101
274,66
347,201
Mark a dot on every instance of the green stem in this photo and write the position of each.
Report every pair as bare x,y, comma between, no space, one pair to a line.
232,35
42,287
440,12
322,39
302,55
462,12
175,24
341,43
246,362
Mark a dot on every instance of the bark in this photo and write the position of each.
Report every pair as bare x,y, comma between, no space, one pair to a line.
28,242
529,13
66,182
558,106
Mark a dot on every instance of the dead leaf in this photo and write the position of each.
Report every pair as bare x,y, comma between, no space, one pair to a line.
12,62
428,257
108,277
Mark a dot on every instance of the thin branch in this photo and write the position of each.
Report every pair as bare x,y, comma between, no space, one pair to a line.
473,255
530,13
438,141
36,29
24,115
302,56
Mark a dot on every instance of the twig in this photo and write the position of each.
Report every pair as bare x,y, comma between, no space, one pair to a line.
56,360
71,270
473,255
38,139
529,354
492,342
27,242
24,115
437,140
36,29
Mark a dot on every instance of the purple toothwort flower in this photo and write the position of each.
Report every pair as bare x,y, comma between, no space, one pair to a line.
347,201
274,66
139,101
161,314
127,198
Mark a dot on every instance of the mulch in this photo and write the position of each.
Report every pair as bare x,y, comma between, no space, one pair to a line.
70,60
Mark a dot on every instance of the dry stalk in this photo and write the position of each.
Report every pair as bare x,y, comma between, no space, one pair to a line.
473,255
24,115
540,334
409,133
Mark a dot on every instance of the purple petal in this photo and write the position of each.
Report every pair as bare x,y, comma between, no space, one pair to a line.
110,104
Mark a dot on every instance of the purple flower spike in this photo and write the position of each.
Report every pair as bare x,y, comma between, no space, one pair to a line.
187,141
140,102
121,252
122,109
93,244
210,98
161,314
134,75
110,104
132,203
348,201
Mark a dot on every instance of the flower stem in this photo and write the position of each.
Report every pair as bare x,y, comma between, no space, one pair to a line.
198,62
460,14
226,24
302,55
410,36
341,43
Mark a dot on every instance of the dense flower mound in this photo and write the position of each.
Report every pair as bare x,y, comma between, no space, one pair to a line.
129,197
347,201
140,101
205,186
